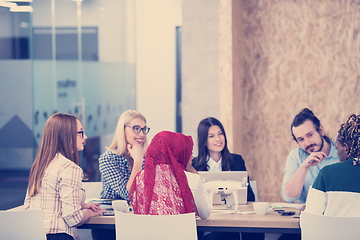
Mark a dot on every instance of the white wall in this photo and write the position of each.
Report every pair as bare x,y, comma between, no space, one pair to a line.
155,62
200,64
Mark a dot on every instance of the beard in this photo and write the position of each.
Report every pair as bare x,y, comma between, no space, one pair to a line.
314,145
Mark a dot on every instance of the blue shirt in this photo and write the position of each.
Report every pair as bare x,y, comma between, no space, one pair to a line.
294,160
115,174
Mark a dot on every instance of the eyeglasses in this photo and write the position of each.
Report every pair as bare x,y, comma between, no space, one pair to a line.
82,133
137,129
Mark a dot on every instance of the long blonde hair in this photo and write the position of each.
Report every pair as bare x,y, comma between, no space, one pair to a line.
59,136
118,145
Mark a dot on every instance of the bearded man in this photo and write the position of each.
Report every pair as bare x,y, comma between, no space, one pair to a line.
303,164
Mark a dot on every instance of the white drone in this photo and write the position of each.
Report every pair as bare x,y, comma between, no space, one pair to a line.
225,188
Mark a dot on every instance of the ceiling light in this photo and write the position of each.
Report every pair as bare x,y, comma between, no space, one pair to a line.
16,0
7,4
21,9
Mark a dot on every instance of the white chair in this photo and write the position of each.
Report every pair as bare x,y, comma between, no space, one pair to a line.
92,189
254,188
320,227
155,227
19,225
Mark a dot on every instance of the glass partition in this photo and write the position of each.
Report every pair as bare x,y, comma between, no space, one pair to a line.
65,56
83,64
17,142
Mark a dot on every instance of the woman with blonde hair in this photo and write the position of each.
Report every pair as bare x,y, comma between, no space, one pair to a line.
55,179
116,164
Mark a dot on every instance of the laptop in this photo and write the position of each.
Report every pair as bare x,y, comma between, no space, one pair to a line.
238,176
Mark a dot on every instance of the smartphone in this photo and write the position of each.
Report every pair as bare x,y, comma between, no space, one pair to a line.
109,213
284,213
290,213
102,201
311,161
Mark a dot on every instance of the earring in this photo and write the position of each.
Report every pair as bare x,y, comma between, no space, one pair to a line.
356,162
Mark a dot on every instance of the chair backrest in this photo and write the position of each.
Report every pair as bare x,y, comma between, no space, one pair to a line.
155,227
254,188
92,189
19,225
320,227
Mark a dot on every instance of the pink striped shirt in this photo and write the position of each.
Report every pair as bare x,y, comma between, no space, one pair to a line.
60,197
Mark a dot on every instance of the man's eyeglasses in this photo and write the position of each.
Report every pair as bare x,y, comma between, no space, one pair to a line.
137,129
82,133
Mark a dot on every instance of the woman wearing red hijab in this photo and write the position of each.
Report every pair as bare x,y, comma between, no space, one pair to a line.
169,184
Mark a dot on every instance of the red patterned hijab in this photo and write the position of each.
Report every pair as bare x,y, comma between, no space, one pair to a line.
162,187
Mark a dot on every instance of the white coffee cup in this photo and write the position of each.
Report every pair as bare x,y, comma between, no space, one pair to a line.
120,205
261,208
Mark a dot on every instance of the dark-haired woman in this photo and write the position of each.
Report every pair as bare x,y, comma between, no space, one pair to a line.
55,179
214,155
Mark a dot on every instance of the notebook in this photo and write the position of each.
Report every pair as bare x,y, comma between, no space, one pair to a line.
227,175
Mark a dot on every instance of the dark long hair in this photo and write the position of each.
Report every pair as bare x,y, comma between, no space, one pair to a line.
349,133
300,118
59,136
203,152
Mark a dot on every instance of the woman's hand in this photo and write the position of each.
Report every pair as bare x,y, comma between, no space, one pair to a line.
95,208
98,211
90,210
92,206
189,166
137,153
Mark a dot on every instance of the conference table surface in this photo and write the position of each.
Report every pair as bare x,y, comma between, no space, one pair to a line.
227,221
